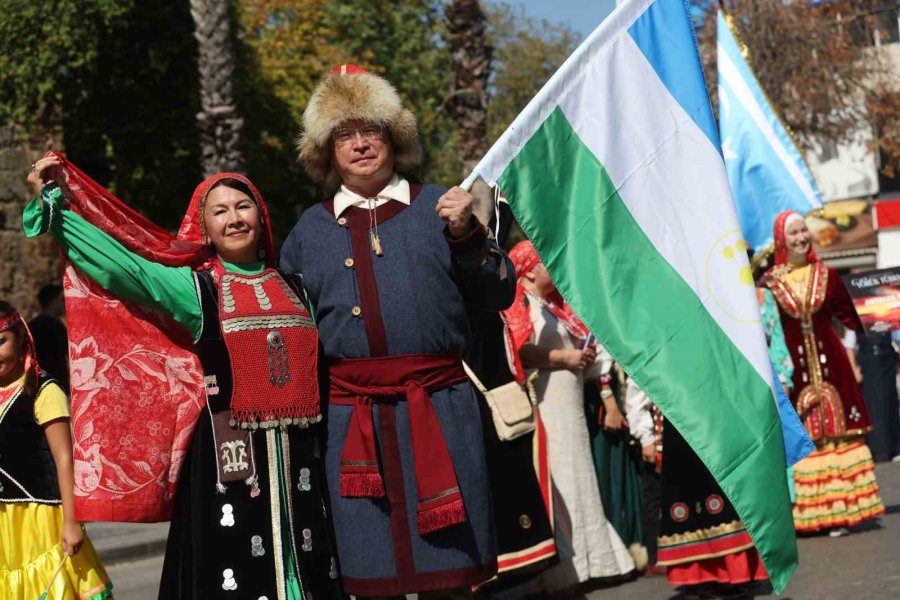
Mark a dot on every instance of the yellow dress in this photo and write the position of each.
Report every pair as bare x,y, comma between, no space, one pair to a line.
30,550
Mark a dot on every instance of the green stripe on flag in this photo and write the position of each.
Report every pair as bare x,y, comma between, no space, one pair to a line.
652,322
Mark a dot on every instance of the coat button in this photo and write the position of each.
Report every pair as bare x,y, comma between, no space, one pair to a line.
342,221
348,263
356,311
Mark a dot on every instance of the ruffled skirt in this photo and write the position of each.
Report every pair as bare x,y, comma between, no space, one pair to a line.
835,487
732,569
31,552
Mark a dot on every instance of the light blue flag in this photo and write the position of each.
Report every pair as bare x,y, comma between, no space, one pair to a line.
764,166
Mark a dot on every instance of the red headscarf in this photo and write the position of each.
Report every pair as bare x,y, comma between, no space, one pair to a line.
193,227
137,384
781,250
517,318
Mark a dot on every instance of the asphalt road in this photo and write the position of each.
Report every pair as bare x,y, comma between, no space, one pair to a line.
862,566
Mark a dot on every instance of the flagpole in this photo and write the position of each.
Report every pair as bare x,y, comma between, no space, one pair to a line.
469,181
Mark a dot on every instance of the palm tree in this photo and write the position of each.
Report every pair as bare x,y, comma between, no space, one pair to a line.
219,120
471,60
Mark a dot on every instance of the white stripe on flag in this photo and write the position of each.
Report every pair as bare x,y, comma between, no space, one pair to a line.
545,101
673,182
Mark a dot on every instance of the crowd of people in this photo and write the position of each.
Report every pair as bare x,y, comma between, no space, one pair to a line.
394,404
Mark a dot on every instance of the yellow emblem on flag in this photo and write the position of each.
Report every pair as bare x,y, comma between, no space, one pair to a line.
728,277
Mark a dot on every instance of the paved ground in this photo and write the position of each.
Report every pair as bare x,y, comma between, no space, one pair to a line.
863,566
138,580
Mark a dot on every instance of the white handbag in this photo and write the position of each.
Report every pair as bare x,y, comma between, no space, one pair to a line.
511,407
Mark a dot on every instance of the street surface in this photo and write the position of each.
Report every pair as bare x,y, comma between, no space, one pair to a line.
862,566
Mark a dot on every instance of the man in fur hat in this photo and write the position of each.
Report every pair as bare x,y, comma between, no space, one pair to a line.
392,266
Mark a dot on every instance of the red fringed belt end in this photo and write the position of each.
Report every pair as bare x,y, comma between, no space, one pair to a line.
362,382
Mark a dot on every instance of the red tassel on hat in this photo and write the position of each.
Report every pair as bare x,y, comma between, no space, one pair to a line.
348,69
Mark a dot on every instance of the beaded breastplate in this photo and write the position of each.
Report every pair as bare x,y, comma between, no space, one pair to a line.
273,346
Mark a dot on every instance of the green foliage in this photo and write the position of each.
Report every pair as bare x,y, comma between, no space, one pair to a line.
527,53
139,113
44,48
119,77
281,55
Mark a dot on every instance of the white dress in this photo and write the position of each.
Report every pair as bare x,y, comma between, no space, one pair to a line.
588,545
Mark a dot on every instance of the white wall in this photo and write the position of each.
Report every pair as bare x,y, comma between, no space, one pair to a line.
888,248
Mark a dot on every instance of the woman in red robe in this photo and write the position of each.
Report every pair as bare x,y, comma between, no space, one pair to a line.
835,485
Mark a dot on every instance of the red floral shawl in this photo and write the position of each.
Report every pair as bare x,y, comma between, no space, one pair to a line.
137,384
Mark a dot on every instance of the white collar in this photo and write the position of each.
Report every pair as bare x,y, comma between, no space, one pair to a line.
396,189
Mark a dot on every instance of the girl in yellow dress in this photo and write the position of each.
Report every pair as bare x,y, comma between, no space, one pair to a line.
37,521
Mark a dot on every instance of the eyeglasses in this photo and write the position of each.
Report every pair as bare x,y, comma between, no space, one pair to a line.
369,131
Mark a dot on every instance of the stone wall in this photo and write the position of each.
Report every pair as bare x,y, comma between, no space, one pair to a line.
25,264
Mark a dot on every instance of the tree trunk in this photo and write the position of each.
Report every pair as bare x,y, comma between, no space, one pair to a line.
219,121
471,59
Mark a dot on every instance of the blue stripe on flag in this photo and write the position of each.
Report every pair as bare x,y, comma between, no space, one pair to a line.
797,443
765,168
666,38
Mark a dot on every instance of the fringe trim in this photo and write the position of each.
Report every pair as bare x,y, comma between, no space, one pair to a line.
836,487
825,523
362,485
639,555
301,416
439,517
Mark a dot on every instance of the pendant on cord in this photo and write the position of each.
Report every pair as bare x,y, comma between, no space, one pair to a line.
373,227
278,359
376,244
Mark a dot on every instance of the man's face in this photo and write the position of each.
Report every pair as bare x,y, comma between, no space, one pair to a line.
363,152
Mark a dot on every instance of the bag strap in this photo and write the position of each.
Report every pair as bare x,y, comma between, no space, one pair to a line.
474,379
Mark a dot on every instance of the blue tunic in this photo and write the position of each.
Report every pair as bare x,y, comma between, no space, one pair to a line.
411,300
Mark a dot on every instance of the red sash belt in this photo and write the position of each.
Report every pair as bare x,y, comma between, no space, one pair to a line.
362,382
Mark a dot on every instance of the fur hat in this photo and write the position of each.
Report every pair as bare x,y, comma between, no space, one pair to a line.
349,92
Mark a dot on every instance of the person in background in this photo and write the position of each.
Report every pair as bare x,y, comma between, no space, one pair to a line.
517,468
835,486
50,339
877,360
645,424
38,528
550,338
617,458
702,542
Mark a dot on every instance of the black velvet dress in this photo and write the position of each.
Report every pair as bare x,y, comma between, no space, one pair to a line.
269,537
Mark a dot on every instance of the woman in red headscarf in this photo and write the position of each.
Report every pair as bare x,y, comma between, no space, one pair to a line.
547,336
835,485
248,517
